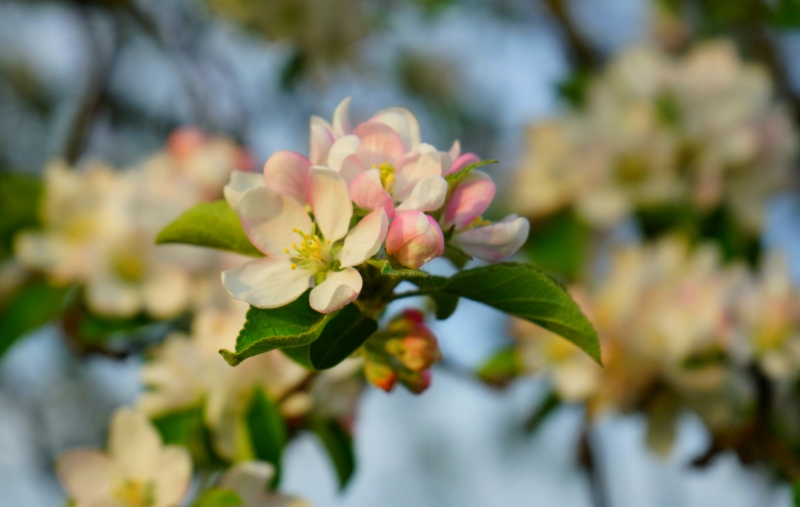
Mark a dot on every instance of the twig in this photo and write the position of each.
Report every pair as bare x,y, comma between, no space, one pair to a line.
589,461
582,52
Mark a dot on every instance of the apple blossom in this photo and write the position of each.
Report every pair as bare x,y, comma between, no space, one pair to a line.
250,481
300,252
414,238
137,471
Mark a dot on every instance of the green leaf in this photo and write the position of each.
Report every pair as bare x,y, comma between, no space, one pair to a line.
560,246
339,444
33,306
445,305
19,207
187,428
386,268
293,325
526,292
267,431
453,178
95,329
543,410
796,493
342,336
786,14
209,224
218,497
503,367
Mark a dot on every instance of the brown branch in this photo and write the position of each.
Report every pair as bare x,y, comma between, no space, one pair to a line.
581,51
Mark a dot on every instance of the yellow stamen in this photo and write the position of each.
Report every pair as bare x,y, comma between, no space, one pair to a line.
294,266
387,176
478,222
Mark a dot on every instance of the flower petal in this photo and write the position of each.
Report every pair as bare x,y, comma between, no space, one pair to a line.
351,168
249,479
174,469
267,283
368,192
469,200
340,288
379,144
463,161
404,122
321,141
428,195
287,171
134,444
167,292
414,238
455,150
329,198
496,241
341,149
109,296
269,217
365,239
240,182
341,119
87,475
426,162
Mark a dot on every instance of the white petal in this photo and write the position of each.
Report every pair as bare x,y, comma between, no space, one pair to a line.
351,168
249,479
426,163
107,295
287,171
341,149
368,193
166,293
496,241
134,444
321,141
239,182
88,475
428,195
339,289
455,150
365,239
341,119
269,217
330,201
173,473
267,283
404,122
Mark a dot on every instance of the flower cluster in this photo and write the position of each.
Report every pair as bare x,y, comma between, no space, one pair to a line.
99,225
700,131
365,191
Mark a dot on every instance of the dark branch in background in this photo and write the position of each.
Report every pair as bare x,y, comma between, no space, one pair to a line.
589,461
95,95
764,49
582,53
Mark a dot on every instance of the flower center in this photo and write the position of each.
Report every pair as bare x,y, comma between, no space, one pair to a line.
134,494
311,251
387,176
478,222
129,266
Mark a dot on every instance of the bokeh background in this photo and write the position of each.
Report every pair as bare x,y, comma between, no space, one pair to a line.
111,79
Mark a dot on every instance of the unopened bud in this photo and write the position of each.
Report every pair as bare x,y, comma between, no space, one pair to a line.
414,238
380,375
416,381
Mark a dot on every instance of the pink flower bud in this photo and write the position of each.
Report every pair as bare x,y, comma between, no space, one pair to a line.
470,199
414,238
417,381
380,375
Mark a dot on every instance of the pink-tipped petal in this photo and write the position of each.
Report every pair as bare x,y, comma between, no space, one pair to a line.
287,171
350,168
321,141
425,162
428,195
267,283
496,241
463,161
240,182
329,198
414,238
365,239
379,144
368,193
455,150
341,149
340,288
269,218
341,119
402,121
87,475
469,200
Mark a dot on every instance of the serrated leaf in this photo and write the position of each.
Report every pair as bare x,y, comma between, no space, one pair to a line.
209,224
33,306
339,444
526,292
385,268
453,178
267,431
293,325
219,497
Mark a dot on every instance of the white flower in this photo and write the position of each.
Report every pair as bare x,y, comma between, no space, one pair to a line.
137,471
250,480
300,252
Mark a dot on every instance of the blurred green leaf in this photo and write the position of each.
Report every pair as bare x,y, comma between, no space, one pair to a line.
339,444
267,431
786,14
560,245
445,305
210,224
574,90
187,429
543,410
292,325
503,367
218,497
19,207
96,329
31,307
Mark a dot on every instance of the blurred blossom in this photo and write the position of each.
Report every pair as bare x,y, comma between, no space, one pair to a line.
99,225
701,130
137,470
250,481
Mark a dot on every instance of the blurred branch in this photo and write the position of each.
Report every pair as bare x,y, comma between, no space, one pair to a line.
765,49
582,52
589,461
